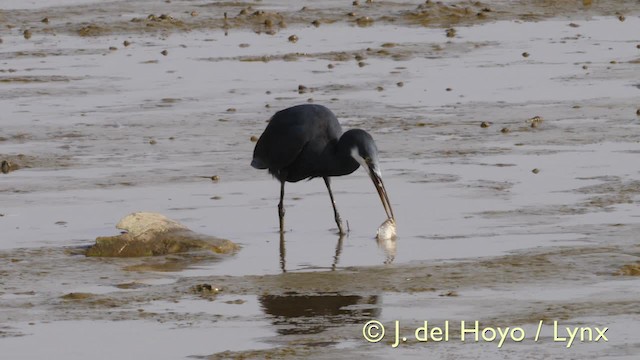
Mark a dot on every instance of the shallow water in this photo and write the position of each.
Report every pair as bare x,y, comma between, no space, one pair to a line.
481,236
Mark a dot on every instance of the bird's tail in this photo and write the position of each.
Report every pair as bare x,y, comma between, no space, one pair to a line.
258,164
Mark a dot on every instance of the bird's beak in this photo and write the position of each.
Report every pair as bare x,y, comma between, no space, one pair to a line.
377,181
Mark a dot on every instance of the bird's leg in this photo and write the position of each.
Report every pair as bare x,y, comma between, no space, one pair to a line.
281,207
327,182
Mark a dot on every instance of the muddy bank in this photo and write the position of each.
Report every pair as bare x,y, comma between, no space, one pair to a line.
316,307
9,163
134,128
26,272
119,17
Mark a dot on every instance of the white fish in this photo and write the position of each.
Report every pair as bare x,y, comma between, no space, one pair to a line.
387,230
386,239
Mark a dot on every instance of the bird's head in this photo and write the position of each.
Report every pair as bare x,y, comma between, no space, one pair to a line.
365,152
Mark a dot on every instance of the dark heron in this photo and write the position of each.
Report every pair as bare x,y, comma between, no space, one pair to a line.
306,141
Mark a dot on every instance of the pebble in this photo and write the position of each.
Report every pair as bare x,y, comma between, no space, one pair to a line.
5,167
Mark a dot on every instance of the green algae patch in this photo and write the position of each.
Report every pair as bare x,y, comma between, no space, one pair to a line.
153,234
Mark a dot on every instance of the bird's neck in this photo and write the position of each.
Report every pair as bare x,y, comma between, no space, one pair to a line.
342,163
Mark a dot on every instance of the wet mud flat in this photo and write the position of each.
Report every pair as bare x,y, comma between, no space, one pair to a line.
508,137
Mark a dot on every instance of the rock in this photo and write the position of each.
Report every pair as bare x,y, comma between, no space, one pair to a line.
535,121
364,21
77,296
204,289
92,30
141,224
7,166
152,234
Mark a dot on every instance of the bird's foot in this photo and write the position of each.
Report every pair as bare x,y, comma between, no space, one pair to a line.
341,230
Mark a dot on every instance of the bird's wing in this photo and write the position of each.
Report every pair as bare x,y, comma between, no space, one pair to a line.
279,146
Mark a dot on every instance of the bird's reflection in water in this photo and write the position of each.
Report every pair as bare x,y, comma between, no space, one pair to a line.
295,313
283,253
313,314
389,246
